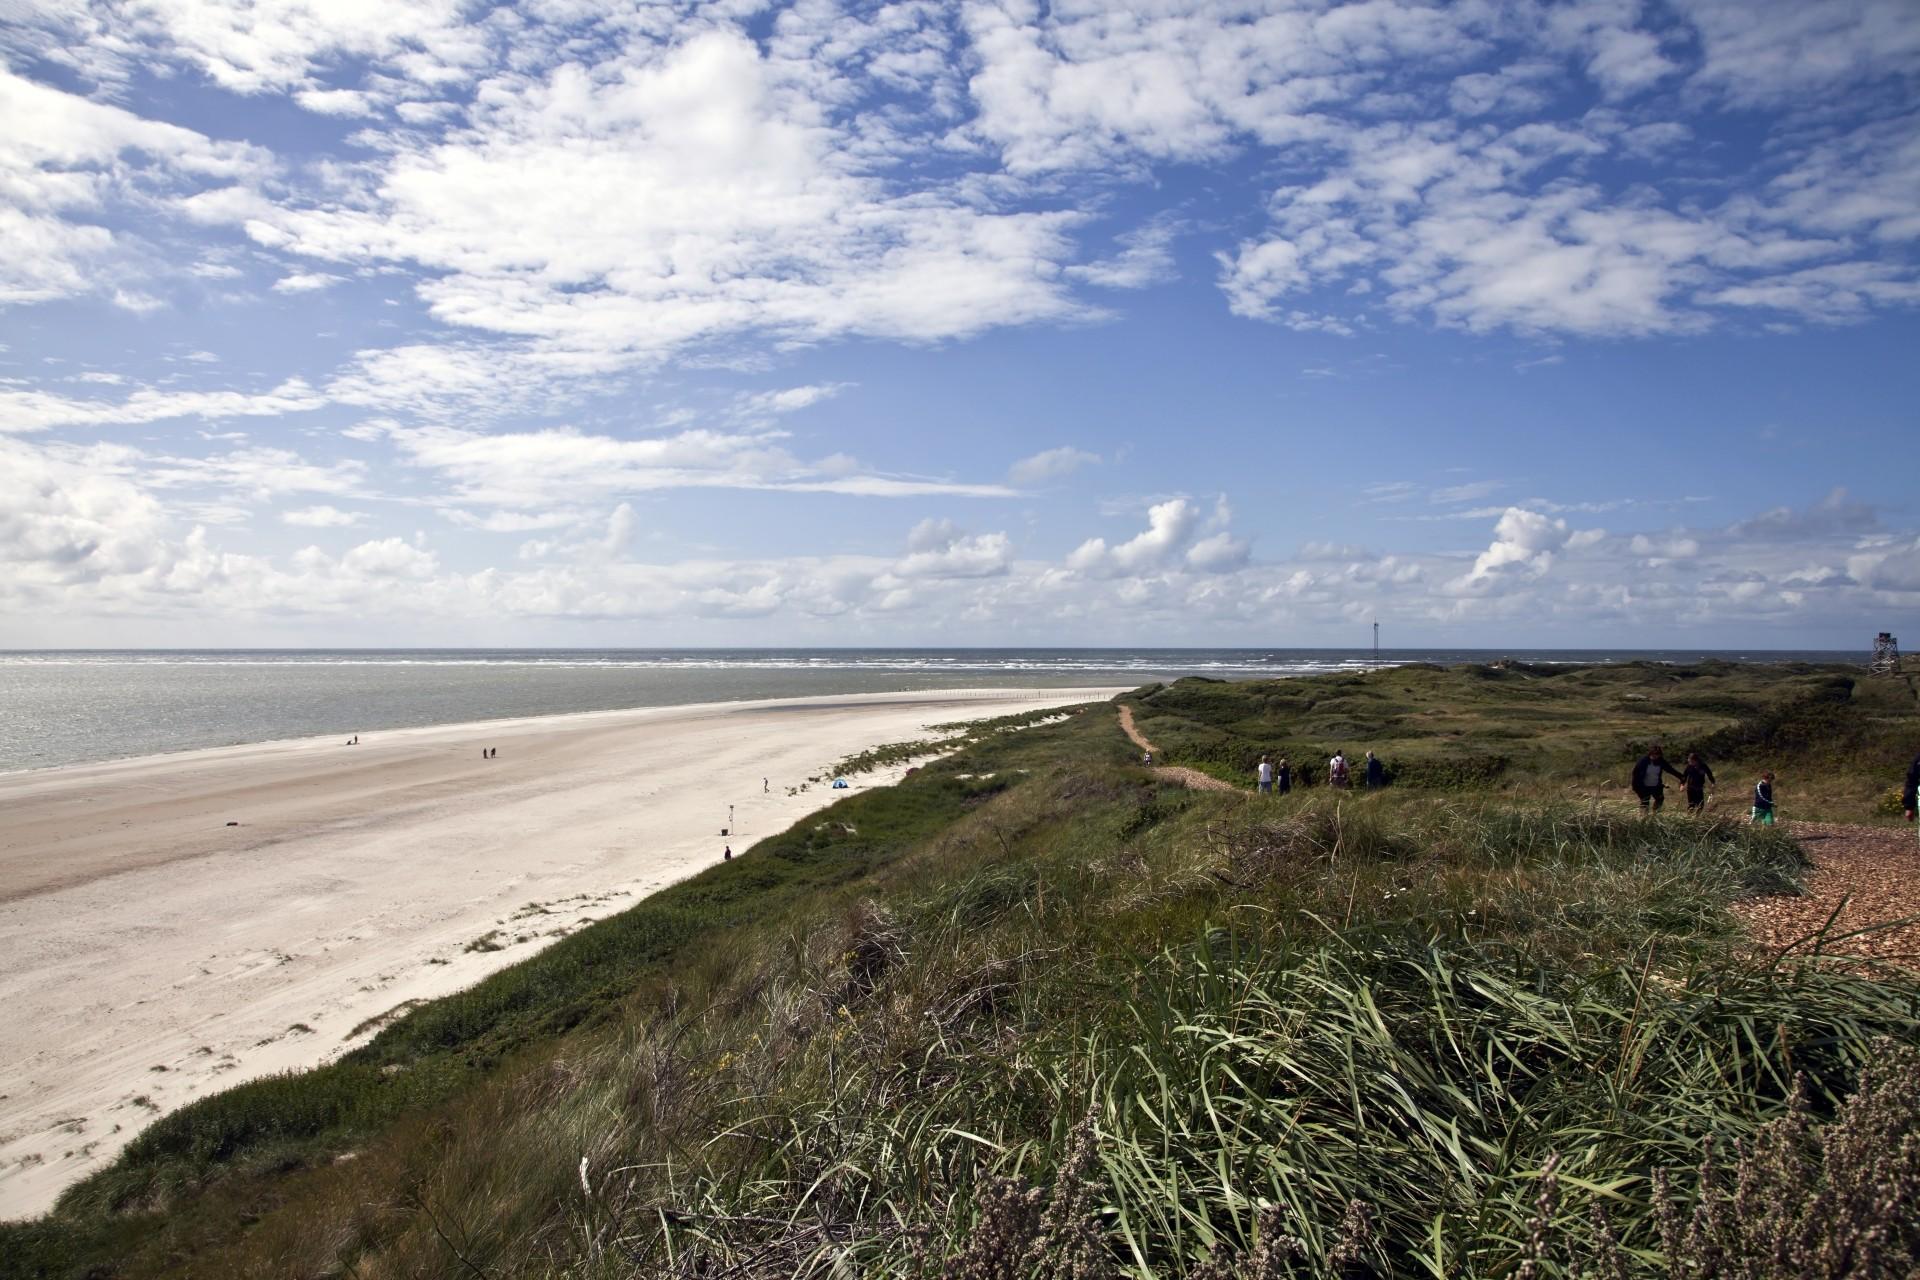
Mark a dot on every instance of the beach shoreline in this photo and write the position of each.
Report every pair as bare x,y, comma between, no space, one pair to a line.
174,924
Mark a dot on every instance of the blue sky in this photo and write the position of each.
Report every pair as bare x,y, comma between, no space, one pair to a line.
1187,322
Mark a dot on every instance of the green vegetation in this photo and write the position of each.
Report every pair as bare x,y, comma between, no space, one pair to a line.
1033,1011
1839,738
956,736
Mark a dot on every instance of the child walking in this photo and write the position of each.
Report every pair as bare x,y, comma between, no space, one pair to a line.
1763,799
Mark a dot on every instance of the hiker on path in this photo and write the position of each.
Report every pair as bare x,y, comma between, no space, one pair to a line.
1264,774
1649,779
1763,799
1283,777
1912,792
1698,777
726,854
1376,772
1337,771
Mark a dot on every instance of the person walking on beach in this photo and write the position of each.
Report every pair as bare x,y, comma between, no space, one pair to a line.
1283,777
726,854
1698,777
1649,780
1337,771
1763,799
1376,772
764,788
1265,776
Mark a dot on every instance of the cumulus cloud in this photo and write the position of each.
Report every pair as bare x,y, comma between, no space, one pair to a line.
88,530
938,549
67,517
1219,553
1171,541
1170,528
1523,547
1892,569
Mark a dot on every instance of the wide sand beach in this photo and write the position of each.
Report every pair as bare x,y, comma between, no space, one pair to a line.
175,924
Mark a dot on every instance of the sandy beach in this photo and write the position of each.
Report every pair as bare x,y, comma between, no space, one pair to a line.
172,925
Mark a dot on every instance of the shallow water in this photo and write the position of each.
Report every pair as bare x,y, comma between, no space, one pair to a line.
68,706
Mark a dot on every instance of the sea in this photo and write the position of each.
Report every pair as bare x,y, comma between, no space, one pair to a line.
73,706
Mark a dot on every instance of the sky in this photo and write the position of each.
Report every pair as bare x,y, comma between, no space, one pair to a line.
1190,322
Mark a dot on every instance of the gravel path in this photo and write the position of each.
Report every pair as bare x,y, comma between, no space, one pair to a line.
1871,875
1178,773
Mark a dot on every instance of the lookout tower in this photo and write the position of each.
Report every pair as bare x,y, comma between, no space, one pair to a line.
1886,654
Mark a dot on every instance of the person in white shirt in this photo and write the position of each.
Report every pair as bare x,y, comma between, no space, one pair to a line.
1265,774
1337,771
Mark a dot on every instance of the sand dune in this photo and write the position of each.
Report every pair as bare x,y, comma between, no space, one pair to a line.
152,951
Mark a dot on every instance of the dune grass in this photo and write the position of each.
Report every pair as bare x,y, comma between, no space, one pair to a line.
1034,1003
1840,739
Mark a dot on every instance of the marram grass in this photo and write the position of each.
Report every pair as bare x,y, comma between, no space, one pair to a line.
1044,1015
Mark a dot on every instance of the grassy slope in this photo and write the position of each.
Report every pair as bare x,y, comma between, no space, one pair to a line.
1839,739
1406,999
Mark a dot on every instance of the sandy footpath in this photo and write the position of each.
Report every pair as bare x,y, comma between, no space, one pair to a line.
152,952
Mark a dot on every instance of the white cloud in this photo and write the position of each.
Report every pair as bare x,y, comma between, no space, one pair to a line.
1895,569
1219,553
1523,546
323,517
389,558
282,45
756,218
65,159
1761,52
1837,513
1184,80
1518,89
1050,464
1470,492
1667,548
306,282
937,549
543,469
1145,258
789,399
37,411
336,102
1171,526
102,530
65,517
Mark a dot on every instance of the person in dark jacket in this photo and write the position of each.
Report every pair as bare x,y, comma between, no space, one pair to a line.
1763,799
1376,772
1912,792
1649,779
1282,777
1698,777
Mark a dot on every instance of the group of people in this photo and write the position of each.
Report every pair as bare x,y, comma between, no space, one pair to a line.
1277,778
1649,783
